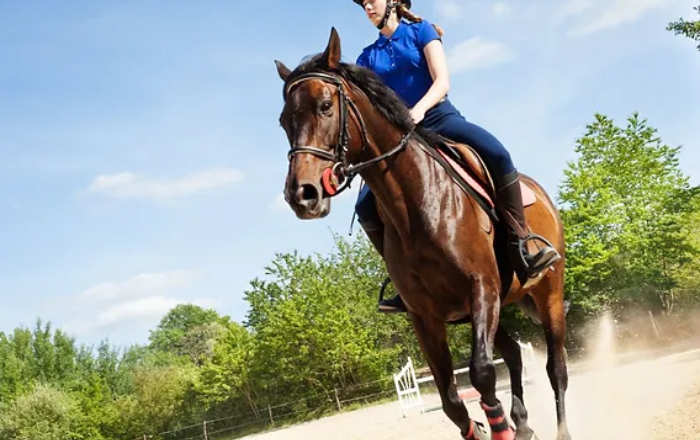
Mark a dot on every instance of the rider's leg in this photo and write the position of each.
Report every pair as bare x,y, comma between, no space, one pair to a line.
447,121
367,217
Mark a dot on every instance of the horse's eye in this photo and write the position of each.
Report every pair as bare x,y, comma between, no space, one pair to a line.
326,106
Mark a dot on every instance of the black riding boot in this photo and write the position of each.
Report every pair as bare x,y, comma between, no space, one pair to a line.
510,208
375,232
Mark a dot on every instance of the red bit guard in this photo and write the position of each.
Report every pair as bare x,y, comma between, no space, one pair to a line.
330,181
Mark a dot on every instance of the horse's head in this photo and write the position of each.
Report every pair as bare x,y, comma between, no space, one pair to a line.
315,119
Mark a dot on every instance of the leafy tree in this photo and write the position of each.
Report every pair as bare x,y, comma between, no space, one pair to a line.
316,327
625,212
687,292
46,413
156,405
172,331
690,29
225,383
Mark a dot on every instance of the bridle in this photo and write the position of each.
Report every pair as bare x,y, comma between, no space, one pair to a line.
338,177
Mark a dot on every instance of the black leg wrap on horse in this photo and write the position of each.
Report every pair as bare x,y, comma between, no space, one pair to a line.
498,422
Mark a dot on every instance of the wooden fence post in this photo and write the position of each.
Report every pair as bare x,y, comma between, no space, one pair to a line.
336,398
204,426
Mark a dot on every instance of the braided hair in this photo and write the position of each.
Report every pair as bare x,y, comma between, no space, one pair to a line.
403,12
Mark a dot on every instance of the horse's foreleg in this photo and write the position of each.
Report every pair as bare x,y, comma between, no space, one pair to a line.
432,338
485,307
552,314
512,356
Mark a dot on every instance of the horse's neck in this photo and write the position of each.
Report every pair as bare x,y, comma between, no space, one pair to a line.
399,182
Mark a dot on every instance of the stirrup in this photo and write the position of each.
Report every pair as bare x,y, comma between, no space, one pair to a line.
540,255
381,291
388,307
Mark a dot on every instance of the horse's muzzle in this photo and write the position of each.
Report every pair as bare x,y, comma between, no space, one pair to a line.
308,202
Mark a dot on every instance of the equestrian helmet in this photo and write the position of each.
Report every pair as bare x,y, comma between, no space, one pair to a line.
406,3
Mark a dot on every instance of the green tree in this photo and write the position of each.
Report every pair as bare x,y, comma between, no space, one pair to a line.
46,413
625,209
225,383
690,29
687,292
157,403
316,326
172,331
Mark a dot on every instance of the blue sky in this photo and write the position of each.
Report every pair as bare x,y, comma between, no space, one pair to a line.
142,161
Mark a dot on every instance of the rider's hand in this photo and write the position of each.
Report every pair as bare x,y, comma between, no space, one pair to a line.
417,114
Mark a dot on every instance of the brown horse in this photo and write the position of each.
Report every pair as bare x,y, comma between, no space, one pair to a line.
443,249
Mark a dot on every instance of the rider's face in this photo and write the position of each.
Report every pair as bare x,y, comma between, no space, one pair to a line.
375,10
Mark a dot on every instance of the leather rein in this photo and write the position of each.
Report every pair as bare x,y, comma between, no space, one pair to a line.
338,177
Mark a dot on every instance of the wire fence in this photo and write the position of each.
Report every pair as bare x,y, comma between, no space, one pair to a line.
269,417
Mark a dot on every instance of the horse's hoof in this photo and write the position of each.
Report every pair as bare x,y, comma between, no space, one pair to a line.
528,434
479,433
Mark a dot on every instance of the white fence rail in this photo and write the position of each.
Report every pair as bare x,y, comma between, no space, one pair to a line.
408,390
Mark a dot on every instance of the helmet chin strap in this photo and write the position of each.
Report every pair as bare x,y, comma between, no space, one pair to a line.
390,6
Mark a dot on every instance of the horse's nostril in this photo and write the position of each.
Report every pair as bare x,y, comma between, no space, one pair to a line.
307,195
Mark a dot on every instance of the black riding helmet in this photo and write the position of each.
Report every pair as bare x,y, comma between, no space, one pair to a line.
391,4
406,3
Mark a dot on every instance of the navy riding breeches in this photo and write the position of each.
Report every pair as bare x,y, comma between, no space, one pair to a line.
447,121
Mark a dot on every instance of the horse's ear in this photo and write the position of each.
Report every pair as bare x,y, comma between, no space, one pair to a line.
282,70
332,54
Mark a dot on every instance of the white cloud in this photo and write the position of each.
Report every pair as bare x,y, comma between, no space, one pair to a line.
142,298
450,10
128,185
501,8
478,53
141,311
152,308
607,15
139,285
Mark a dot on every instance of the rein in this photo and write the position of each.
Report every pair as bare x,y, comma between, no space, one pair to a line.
338,177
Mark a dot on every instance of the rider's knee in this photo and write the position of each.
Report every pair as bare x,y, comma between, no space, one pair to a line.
366,210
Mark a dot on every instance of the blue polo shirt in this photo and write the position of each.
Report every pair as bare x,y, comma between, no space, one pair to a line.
399,59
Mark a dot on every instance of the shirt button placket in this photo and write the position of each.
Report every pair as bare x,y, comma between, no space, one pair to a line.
391,53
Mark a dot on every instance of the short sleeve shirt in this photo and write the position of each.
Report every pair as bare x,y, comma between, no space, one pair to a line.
400,61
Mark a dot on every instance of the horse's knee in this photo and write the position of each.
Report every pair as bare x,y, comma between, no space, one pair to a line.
482,373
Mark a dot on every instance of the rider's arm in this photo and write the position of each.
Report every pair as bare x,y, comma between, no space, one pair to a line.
434,51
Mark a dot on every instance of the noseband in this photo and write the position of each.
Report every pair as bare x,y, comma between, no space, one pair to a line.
338,177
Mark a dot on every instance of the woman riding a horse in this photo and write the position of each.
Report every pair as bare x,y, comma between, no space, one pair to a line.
409,57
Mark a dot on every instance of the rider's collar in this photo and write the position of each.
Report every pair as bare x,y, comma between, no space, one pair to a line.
382,40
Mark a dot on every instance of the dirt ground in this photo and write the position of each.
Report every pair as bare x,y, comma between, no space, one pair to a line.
652,399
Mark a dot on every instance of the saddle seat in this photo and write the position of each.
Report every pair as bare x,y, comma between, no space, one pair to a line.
471,167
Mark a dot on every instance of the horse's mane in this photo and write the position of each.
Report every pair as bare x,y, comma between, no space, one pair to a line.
383,98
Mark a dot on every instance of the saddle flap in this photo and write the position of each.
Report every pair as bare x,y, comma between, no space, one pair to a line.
474,172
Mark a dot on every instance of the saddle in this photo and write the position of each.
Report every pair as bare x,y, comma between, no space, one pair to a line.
469,171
